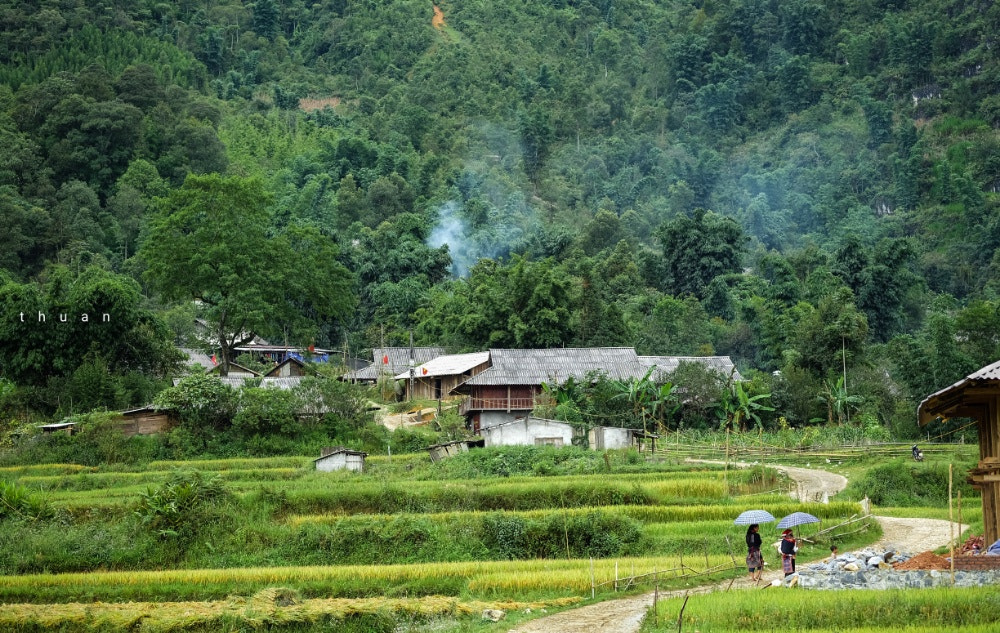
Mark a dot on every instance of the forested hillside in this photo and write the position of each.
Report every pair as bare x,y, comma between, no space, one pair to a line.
810,187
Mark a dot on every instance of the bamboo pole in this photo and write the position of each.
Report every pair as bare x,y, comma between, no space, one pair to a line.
951,525
616,576
656,598
959,515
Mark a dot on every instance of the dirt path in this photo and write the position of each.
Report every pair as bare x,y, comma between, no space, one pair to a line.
626,615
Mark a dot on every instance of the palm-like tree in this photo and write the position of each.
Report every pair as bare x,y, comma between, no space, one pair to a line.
837,400
738,406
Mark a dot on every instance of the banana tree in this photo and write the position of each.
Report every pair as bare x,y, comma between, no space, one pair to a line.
642,394
838,401
738,407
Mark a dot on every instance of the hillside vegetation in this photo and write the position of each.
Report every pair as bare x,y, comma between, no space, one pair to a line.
808,187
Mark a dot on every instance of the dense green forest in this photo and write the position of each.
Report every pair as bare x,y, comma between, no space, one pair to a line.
809,187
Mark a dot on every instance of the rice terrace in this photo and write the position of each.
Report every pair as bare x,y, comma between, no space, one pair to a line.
507,533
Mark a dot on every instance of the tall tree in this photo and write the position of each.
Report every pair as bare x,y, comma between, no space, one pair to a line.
698,249
210,241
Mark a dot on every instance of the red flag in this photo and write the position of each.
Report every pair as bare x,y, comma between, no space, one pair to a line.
312,348
214,362
424,370
385,359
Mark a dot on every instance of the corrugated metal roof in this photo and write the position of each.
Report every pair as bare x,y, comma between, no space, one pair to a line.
398,361
254,347
447,365
942,401
197,357
667,364
535,366
282,382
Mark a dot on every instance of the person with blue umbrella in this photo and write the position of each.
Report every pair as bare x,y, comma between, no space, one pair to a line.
753,518
755,561
788,549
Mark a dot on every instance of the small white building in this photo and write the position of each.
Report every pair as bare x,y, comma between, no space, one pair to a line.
340,458
528,431
603,438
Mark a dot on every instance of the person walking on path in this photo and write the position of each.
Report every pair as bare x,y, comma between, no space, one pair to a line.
755,561
788,548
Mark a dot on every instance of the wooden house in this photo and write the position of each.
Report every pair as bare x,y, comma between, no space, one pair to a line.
340,458
436,378
147,421
976,396
69,428
389,362
509,388
291,366
529,431
450,449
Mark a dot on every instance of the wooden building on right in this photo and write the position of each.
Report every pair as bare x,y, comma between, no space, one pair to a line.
977,396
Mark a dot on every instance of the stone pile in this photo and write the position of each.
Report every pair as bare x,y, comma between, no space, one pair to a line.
867,569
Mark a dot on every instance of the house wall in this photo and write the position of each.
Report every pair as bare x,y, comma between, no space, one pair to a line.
529,432
287,369
340,461
147,424
489,419
602,438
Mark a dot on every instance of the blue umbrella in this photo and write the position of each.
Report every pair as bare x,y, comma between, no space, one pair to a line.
754,516
796,518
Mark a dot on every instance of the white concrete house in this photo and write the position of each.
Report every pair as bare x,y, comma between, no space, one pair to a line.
528,431
340,458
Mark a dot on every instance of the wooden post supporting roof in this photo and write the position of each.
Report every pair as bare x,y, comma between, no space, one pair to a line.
976,396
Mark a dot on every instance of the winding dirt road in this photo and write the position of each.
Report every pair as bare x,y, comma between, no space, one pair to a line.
626,615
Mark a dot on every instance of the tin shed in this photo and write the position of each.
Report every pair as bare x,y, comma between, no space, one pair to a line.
340,458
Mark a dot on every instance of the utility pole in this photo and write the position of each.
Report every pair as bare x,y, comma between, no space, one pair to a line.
412,367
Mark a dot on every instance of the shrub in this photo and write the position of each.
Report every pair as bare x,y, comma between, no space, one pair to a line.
596,534
901,483
177,508
17,502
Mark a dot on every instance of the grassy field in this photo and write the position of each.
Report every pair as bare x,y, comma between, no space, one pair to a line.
232,545
915,610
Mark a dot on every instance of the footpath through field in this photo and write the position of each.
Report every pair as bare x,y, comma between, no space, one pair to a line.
626,615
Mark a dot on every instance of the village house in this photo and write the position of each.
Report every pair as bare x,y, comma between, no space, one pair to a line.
436,378
340,458
529,431
510,387
722,365
391,361
147,421
235,371
291,366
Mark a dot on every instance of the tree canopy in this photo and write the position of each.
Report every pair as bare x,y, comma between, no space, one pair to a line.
211,241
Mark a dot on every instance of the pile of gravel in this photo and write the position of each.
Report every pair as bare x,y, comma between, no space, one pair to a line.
888,569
